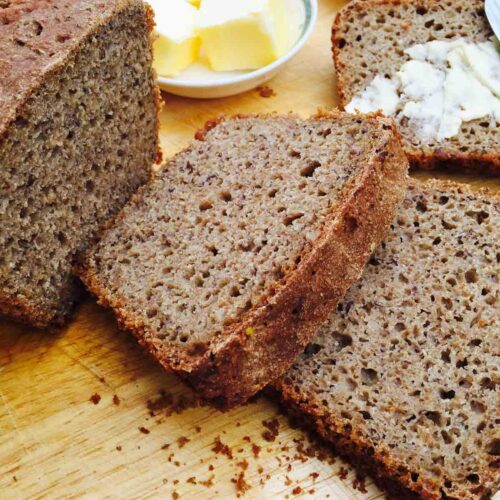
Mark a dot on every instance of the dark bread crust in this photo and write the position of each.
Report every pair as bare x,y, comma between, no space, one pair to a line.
60,38
441,158
348,441
254,351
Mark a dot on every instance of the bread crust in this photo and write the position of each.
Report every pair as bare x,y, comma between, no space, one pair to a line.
388,472
254,351
441,158
29,75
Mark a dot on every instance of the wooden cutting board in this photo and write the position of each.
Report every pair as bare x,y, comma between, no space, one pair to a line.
57,443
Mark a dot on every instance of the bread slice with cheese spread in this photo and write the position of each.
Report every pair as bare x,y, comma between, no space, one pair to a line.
370,38
228,262
403,378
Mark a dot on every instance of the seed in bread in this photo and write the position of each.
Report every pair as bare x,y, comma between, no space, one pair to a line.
225,264
78,135
403,377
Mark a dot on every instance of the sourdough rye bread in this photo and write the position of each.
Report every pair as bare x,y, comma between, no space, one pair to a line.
403,377
225,265
78,135
369,38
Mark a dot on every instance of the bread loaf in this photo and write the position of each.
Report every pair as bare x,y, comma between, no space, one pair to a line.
225,265
78,135
369,38
403,377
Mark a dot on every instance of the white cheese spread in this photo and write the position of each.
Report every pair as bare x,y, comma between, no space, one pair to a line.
442,86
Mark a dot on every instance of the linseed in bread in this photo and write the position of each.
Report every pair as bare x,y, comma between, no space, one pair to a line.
225,264
78,135
403,377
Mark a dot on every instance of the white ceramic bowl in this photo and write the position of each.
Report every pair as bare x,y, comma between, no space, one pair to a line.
202,83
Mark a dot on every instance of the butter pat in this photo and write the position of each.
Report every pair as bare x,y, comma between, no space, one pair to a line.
178,43
243,34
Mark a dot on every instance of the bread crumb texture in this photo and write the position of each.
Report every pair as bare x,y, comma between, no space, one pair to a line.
404,375
223,227
78,135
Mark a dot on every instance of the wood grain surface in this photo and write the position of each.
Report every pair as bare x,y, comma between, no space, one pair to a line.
57,443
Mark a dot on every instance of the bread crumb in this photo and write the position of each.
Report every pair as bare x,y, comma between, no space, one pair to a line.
297,490
265,91
343,472
243,464
273,427
175,495
118,448
210,467
166,446
191,480
241,485
197,429
116,400
144,430
95,398
256,450
182,441
221,448
359,484
209,482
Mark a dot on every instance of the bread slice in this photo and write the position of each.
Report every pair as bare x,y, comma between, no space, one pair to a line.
403,377
78,135
226,264
369,38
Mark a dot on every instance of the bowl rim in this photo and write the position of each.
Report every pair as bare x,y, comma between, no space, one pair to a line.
251,75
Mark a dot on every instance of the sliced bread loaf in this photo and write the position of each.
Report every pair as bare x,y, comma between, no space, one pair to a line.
78,135
369,38
403,377
227,263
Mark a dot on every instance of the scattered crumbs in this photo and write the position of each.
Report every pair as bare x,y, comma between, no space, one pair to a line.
191,480
221,448
208,483
312,491
314,475
116,400
343,473
273,429
118,448
166,446
176,481
247,439
240,450
288,481
289,467
210,467
260,470
175,495
144,430
359,484
256,450
238,424
197,429
102,379
169,458
177,463
95,398
243,464
241,485
182,441
169,404
297,490
14,478
165,481
265,91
